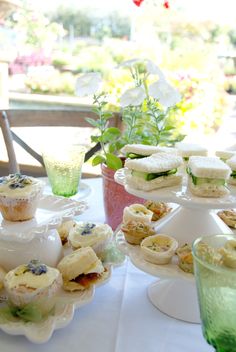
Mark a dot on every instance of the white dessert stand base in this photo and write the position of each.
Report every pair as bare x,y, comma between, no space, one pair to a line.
176,298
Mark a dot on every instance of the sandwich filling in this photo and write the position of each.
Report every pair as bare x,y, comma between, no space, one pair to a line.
135,156
151,176
197,181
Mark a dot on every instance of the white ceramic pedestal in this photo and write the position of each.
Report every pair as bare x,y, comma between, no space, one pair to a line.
175,293
176,298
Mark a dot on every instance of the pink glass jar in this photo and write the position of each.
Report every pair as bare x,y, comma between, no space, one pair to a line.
115,198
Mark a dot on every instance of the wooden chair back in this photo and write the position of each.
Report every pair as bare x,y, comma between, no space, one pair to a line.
43,118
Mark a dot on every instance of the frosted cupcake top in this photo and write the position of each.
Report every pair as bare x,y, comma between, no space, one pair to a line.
87,234
32,276
17,185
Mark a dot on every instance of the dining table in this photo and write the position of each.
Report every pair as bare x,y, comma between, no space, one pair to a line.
120,317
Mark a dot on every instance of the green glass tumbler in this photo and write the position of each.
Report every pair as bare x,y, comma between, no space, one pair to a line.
216,287
64,167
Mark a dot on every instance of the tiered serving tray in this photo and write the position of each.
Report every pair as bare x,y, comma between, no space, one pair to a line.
38,238
175,292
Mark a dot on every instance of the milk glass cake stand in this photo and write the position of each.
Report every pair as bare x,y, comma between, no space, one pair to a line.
175,292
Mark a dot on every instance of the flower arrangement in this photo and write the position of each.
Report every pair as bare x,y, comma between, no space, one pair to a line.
145,108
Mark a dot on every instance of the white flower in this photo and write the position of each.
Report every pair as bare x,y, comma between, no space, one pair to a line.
153,69
88,84
134,96
166,94
130,63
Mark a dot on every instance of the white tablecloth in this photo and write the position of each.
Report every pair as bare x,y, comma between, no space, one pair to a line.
120,318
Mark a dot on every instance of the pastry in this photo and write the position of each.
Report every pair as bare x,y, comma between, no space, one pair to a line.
185,258
32,282
2,275
228,253
190,149
228,216
64,230
87,234
232,164
136,231
224,155
159,209
137,212
207,176
134,151
158,249
19,196
153,172
81,269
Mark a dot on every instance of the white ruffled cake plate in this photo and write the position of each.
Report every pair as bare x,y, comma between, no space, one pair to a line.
67,303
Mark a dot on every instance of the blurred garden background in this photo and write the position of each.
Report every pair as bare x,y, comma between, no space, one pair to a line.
47,44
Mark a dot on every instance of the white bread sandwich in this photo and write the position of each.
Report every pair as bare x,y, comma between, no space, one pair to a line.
207,176
189,149
224,155
232,164
134,151
81,269
156,171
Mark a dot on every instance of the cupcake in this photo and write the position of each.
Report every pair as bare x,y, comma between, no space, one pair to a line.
87,234
136,231
64,230
81,269
32,283
19,196
158,249
137,212
159,209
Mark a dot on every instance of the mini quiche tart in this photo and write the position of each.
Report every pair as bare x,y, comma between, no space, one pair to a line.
135,231
159,209
185,257
228,216
159,249
88,234
137,212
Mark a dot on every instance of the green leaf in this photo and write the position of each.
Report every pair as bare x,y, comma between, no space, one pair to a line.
92,122
111,133
98,159
95,139
107,115
113,161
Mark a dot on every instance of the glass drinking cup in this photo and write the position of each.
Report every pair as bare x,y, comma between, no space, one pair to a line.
63,167
216,286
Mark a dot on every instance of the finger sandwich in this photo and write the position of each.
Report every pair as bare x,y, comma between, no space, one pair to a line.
153,172
224,155
134,151
207,176
232,164
189,149
81,269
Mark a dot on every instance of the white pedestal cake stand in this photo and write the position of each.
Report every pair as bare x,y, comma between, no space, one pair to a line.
175,292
